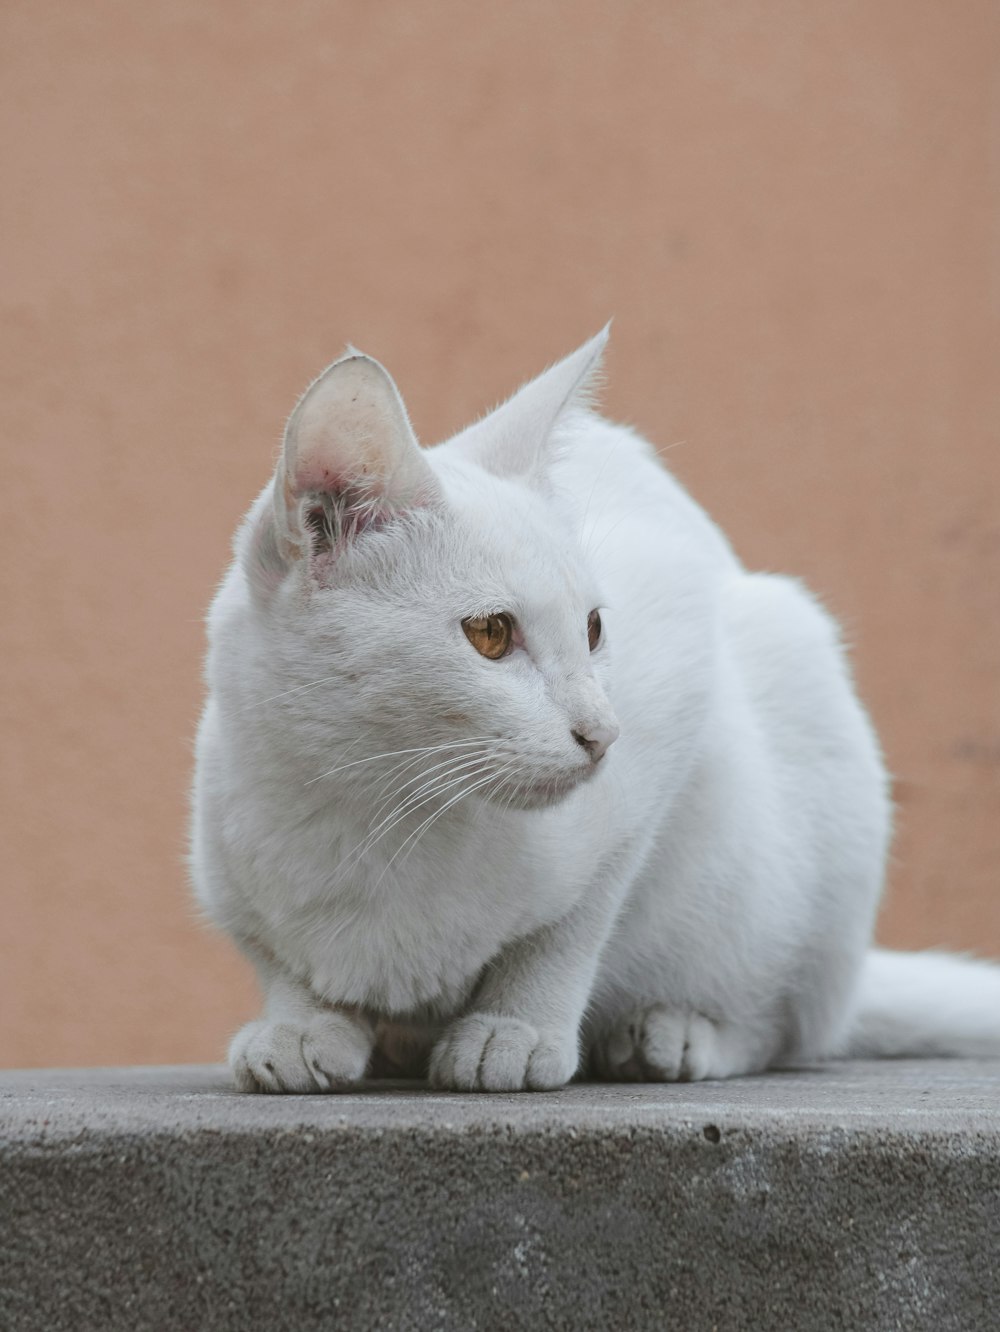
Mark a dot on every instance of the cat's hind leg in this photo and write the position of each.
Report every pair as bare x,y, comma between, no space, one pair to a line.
670,1043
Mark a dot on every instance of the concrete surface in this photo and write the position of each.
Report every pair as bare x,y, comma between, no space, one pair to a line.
857,1196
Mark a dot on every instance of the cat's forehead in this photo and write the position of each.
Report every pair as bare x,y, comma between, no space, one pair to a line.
521,541
502,506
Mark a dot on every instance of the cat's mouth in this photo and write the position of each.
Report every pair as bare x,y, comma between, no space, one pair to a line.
549,791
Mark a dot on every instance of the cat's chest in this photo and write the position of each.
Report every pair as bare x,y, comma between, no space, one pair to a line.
397,936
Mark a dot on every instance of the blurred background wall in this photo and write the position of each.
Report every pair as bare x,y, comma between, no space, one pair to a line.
790,208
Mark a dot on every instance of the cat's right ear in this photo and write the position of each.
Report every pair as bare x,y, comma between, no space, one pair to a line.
516,438
350,462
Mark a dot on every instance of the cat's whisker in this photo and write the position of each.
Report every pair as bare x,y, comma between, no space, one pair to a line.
287,693
431,787
396,816
424,827
421,776
394,753
445,783
515,790
420,752
436,784
405,764
513,786
383,792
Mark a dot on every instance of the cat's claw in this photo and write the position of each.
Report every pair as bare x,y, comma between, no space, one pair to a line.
495,1053
326,1054
660,1043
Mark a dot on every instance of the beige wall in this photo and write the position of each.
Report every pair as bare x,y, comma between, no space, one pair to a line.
790,208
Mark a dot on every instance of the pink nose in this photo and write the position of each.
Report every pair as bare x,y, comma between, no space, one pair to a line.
596,740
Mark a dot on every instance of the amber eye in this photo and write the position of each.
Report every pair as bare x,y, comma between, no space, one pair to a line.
490,635
593,629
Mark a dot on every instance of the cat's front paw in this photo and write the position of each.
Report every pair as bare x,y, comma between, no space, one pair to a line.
328,1053
491,1052
661,1043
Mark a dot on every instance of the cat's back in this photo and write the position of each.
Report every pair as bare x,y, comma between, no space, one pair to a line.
686,618
629,505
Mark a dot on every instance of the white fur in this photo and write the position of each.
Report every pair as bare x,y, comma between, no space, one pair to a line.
416,851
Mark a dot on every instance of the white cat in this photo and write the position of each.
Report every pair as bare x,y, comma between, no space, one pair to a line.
507,759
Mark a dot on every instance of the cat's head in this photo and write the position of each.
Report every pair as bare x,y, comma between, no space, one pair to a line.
433,606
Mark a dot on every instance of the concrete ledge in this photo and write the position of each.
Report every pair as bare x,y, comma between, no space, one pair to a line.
858,1196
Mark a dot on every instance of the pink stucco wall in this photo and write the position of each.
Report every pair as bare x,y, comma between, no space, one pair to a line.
792,211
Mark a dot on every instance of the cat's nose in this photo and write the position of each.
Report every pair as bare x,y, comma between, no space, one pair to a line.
596,740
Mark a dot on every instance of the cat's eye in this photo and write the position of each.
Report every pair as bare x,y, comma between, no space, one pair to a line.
593,629
490,635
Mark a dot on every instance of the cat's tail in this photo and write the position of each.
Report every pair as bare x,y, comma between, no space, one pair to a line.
925,1004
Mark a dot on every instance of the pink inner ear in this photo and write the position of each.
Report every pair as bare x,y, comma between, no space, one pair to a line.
312,475
349,436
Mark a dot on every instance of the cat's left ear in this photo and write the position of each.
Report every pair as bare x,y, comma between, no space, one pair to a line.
516,439
350,454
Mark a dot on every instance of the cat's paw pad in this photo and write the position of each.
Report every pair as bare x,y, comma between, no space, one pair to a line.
325,1054
658,1044
490,1052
